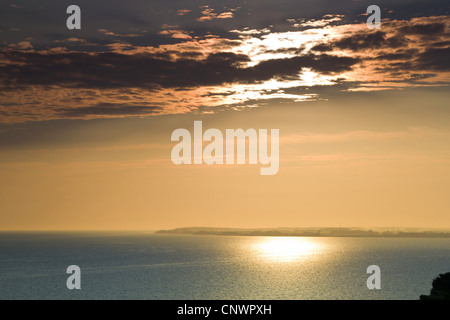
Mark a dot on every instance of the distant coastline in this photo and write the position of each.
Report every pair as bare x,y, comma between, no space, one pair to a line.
311,232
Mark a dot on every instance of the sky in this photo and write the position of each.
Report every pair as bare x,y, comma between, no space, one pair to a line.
86,116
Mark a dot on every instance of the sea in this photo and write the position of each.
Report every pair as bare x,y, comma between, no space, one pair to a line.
149,266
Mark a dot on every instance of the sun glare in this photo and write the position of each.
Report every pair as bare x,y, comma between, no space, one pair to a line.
286,249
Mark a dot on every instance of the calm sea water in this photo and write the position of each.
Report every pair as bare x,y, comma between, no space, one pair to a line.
149,266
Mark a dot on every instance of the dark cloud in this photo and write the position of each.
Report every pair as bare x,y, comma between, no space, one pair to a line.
417,45
292,50
324,90
219,94
110,109
399,67
434,59
322,47
394,56
322,63
430,29
441,44
114,70
421,76
365,41
362,42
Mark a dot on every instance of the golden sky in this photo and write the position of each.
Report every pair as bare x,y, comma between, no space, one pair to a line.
86,120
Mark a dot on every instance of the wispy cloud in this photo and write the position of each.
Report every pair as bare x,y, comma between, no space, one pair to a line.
183,12
209,14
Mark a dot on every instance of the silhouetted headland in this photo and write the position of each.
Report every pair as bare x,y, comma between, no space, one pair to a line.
312,232
441,288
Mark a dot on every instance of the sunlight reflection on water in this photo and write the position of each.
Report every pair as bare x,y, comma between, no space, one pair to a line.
286,249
